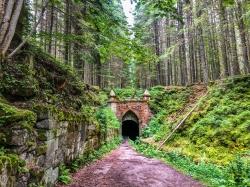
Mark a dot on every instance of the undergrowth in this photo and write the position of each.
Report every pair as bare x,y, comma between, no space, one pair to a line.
163,103
219,129
64,171
11,161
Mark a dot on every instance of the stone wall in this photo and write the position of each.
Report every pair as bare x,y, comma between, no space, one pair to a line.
49,144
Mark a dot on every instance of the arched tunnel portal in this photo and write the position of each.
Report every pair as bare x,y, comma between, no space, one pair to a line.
130,126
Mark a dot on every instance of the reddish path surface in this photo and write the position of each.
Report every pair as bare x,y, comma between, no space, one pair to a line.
126,168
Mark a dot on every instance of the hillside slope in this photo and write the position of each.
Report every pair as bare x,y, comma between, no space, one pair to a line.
218,130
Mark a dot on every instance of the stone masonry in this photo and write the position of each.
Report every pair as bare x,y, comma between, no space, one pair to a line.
139,107
51,144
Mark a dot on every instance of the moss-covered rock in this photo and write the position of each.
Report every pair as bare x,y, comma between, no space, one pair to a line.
10,115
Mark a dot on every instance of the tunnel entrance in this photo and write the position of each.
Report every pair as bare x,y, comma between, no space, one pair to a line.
130,126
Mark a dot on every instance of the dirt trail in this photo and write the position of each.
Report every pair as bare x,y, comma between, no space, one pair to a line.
126,168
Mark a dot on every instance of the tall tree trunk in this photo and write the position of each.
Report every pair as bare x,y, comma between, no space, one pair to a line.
242,29
235,59
157,50
182,47
50,29
203,68
8,23
223,40
67,31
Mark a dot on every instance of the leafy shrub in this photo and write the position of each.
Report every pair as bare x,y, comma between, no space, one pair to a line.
240,172
64,175
126,93
107,118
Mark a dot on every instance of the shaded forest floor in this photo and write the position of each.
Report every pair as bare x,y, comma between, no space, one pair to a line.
126,168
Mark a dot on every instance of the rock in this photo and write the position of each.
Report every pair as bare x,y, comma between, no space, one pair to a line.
52,146
18,137
50,176
46,124
64,124
40,161
42,115
45,135
22,181
3,177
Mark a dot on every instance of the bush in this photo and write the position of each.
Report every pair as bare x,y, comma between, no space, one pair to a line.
107,118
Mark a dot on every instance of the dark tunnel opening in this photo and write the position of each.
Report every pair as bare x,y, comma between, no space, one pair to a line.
130,129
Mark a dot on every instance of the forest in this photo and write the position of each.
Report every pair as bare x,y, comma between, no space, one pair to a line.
65,65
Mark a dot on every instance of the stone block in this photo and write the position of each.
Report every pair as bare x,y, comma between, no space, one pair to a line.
50,176
18,137
42,115
4,177
22,180
46,124
64,124
45,135
52,146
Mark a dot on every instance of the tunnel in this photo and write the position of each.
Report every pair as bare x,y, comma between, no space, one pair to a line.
130,126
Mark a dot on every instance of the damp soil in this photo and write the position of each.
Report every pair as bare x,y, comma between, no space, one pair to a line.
124,167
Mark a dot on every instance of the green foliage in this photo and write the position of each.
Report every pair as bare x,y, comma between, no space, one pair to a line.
216,131
10,115
128,93
236,174
156,123
107,119
170,100
160,8
11,161
64,175
240,172
18,79
163,103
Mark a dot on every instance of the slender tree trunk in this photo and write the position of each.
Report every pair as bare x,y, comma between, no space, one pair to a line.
223,40
242,29
235,59
8,23
157,50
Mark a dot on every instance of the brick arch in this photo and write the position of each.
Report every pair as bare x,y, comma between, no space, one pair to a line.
139,107
137,120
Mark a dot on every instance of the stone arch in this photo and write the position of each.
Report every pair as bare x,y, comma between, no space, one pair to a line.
130,125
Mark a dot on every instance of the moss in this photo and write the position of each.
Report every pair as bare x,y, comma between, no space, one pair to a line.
10,115
57,113
41,149
218,130
12,162
18,79
41,134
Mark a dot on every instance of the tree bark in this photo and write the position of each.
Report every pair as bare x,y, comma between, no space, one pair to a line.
242,29
9,23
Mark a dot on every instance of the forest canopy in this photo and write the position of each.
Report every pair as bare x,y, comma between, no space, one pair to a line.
172,42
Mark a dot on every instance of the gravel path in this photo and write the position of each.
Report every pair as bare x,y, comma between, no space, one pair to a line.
126,168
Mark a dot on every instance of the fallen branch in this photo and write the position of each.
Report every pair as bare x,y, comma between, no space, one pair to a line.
181,122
